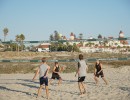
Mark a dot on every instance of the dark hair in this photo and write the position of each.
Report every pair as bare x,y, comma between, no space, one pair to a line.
43,60
80,56
56,63
99,62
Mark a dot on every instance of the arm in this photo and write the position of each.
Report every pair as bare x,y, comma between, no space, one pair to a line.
54,70
35,74
77,72
47,71
101,68
60,69
77,69
86,68
94,71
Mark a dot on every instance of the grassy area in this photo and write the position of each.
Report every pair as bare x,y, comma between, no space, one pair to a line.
70,66
31,67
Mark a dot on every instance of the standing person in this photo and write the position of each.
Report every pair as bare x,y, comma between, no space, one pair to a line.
99,72
55,73
43,76
82,68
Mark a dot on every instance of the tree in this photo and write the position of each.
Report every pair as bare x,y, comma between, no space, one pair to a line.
67,43
60,47
51,37
5,30
64,47
18,40
80,36
22,38
99,36
90,44
75,48
81,44
87,44
57,37
13,46
53,47
70,48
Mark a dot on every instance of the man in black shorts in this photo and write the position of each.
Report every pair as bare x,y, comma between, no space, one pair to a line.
82,68
43,77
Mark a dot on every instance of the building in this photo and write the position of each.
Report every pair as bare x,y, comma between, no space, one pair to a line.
72,36
121,35
44,47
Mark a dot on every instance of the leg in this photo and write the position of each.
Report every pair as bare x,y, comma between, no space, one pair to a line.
83,86
39,90
96,79
80,87
52,78
50,81
47,92
105,80
60,80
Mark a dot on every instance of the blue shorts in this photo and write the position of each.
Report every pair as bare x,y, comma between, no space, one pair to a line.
44,81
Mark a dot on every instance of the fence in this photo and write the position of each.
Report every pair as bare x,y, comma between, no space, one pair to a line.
83,40
70,60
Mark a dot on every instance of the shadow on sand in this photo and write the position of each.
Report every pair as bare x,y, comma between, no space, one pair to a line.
125,89
7,89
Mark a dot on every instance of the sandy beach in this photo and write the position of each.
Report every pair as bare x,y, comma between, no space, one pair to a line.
21,86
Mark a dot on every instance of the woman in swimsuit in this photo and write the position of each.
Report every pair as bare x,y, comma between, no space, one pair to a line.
99,72
55,73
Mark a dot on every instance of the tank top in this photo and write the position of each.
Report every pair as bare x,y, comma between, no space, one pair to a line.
82,68
43,70
57,69
98,67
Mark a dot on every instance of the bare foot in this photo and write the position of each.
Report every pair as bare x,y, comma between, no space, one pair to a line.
81,94
47,98
84,92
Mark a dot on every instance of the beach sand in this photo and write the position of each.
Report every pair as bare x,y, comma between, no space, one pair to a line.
21,86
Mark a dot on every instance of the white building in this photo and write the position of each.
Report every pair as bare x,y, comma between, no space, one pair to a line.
44,47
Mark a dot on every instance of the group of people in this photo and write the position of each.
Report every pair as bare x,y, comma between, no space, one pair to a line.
81,72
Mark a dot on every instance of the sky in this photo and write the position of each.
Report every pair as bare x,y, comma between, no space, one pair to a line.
37,19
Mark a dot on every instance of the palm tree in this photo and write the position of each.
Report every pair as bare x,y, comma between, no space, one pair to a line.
51,37
18,40
22,38
99,36
5,30
57,37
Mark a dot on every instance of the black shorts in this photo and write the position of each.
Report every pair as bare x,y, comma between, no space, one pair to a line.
100,74
55,76
81,79
44,81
